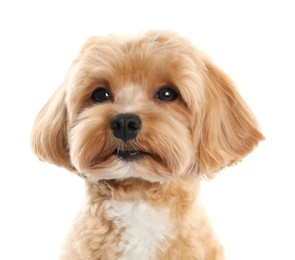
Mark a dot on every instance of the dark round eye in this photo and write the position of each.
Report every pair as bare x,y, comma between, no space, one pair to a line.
101,95
166,94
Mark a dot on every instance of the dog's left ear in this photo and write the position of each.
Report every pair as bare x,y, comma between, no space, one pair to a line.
229,129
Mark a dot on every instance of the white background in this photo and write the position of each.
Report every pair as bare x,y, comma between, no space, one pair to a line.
251,205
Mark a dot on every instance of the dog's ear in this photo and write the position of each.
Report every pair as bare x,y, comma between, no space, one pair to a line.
49,133
229,130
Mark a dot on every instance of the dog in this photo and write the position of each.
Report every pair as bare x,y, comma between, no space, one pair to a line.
143,119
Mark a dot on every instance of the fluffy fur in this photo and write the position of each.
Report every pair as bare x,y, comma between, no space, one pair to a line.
146,208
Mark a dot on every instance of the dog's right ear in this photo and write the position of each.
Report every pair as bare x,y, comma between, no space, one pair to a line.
49,133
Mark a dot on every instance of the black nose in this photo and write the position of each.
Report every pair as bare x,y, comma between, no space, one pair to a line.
125,126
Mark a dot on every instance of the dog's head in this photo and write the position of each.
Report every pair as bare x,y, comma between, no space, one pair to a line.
151,107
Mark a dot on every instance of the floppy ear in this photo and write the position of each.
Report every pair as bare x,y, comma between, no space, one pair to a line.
49,133
230,130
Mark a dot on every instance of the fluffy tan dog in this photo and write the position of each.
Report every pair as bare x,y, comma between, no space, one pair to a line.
142,120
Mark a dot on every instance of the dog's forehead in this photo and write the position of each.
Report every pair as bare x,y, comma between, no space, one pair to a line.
130,93
123,61
138,60
135,56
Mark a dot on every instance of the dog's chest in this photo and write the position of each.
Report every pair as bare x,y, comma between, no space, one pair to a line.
144,228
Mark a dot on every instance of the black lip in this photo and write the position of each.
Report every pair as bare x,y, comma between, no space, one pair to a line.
129,155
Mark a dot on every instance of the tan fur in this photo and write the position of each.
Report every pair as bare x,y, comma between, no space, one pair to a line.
207,128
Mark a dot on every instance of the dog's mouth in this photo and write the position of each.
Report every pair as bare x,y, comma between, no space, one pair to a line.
123,155
128,156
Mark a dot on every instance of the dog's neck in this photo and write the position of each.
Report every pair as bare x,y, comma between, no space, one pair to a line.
180,197
143,220
149,214
157,194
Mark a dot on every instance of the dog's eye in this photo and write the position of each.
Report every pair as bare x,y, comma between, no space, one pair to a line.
100,95
166,94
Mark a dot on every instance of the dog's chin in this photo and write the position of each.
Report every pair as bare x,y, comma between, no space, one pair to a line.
127,164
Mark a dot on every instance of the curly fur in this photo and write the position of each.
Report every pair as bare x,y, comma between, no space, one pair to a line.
150,206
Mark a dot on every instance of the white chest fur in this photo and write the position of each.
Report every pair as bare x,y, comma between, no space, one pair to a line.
144,227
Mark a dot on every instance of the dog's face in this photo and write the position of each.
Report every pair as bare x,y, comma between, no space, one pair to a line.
151,107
